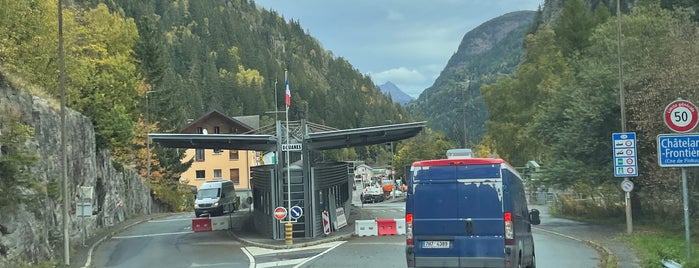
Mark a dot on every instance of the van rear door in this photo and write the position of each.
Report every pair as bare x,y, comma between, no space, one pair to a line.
458,216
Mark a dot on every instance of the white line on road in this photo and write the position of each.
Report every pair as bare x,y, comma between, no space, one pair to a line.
250,257
149,235
179,219
321,254
281,263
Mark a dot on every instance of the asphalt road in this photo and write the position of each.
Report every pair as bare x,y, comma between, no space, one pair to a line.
170,243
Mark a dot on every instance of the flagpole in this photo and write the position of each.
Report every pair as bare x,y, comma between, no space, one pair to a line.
288,227
276,103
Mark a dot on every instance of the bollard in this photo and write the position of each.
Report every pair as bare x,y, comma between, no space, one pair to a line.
288,227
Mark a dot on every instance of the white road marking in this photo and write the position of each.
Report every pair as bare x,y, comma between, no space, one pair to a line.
255,251
167,220
321,254
281,263
149,235
250,257
211,265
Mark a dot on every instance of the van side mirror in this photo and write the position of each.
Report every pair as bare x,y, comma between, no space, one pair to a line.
534,217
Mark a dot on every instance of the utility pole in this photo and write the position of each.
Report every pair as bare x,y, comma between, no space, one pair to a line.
64,156
629,218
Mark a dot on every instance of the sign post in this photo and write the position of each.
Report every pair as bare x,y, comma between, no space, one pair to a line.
680,150
625,165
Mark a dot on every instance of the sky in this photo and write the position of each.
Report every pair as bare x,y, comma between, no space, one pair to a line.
406,42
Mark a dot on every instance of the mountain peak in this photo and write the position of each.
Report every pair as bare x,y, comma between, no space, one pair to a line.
397,95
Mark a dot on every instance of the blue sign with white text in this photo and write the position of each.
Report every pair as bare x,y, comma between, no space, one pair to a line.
678,150
624,145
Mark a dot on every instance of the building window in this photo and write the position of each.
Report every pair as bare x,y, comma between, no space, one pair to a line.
200,130
218,151
201,175
235,175
217,130
217,174
199,155
233,155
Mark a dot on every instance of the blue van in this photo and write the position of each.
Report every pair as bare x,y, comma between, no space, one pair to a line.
468,212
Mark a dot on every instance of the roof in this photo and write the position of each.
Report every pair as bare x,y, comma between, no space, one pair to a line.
322,140
243,121
363,136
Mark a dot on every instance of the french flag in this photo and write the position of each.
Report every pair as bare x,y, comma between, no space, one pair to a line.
287,94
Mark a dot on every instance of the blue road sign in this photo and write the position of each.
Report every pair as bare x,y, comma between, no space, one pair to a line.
624,145
296,212
678,150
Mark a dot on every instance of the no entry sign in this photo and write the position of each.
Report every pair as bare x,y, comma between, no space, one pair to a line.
280,213
681,116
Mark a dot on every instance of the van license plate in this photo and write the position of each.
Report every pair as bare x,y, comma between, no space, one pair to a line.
436,244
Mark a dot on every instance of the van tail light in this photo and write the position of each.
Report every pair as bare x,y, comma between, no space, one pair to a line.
409,229
509,229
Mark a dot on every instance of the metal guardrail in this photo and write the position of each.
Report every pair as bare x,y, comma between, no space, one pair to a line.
670,264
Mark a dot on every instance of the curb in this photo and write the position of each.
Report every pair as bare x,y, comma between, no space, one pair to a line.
605,254
298,245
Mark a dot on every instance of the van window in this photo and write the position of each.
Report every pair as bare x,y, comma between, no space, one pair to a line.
208,193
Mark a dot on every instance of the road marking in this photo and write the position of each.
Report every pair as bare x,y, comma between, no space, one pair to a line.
212,264
167,220
281,263
321,254
149,235
250,257
255,251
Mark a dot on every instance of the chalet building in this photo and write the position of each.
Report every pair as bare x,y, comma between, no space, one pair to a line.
221,164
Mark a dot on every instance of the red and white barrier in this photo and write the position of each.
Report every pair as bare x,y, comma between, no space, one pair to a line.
201,224
365,228
220,223
386,226
379,227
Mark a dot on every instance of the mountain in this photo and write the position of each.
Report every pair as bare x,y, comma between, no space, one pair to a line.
454,103
397,95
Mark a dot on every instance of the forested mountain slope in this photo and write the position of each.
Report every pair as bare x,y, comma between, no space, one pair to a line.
454,103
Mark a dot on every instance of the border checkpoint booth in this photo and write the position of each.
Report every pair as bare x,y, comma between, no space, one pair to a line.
315,185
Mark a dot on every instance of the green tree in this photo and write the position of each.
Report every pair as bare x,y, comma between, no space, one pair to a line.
514,102
426,145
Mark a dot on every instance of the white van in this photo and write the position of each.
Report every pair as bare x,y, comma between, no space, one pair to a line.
215,198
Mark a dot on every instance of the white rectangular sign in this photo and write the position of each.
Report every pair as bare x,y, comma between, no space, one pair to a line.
291,147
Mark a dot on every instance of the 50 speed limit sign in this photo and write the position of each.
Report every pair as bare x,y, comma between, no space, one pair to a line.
681,116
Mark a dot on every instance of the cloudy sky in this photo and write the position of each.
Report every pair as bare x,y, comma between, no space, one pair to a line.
407,42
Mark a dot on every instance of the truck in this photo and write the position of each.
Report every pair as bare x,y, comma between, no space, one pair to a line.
372,194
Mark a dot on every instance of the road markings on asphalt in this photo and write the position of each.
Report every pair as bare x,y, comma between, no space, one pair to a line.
149,235
262,253
338,243
167,220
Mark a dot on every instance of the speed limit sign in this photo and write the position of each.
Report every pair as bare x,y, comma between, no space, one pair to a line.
681,116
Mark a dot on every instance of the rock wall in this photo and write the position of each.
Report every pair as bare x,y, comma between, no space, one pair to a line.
33,233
